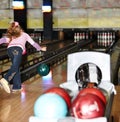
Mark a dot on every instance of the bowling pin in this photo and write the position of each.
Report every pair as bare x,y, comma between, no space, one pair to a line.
75,37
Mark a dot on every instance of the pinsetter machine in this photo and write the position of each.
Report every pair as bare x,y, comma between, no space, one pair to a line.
83,69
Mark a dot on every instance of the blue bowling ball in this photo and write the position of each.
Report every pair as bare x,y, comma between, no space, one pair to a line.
50,105
43,69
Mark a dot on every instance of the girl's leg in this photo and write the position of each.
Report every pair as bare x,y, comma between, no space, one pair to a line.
17,81
15,54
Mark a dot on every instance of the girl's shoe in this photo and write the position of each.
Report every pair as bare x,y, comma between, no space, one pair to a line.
16,90
5,85
1,86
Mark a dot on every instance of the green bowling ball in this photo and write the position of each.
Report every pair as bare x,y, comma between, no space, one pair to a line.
43,69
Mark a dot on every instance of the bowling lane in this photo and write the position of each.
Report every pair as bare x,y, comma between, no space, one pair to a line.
53,46
18,107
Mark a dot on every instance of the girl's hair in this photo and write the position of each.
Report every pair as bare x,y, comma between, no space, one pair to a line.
14,30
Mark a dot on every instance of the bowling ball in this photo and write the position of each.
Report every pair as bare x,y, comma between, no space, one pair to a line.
94,91
50,105
87,106
62,92
43,69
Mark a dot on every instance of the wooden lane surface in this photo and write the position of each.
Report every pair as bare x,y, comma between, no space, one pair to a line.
115,113
18,107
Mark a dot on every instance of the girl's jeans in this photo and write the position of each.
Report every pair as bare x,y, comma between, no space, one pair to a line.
13,74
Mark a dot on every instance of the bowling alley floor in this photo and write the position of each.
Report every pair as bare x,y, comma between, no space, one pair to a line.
18,107
115,113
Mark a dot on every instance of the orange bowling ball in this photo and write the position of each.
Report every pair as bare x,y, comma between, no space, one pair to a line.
62,92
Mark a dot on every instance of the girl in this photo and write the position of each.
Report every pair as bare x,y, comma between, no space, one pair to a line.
16,39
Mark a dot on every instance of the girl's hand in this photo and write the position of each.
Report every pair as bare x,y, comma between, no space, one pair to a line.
43,48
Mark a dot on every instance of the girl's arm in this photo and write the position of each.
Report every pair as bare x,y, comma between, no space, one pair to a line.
3,40
38,47
35,44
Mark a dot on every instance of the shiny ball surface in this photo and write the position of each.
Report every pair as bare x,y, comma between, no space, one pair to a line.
43,69
50,105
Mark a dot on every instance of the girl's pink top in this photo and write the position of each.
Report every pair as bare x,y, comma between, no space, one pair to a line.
20,41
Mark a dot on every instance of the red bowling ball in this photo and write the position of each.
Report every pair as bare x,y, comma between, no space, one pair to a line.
87,106
62,92
94,91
